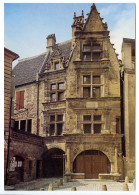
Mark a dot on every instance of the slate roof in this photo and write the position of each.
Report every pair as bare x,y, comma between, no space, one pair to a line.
64,49
25,71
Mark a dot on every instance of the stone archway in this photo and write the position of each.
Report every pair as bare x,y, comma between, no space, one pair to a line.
53,163
91,162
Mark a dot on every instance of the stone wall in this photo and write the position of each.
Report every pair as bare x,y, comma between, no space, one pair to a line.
30,148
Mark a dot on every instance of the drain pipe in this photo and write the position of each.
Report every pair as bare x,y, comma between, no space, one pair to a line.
37,82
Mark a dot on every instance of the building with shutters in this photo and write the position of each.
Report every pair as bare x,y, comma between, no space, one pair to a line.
67,107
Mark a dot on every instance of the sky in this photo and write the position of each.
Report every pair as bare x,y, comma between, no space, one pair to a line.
26,25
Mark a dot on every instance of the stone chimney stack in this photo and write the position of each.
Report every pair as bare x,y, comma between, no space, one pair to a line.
51,41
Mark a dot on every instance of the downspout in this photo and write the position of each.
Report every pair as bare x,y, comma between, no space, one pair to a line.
38,121
8,147
37,82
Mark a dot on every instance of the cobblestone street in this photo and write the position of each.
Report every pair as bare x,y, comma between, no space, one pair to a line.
80,184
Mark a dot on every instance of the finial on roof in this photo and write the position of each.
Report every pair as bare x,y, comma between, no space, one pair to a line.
93,6
74,14
82,13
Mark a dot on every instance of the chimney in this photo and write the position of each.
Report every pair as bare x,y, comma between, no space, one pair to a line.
51,41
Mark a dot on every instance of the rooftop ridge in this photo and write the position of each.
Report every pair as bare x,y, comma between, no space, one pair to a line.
64,42
33,57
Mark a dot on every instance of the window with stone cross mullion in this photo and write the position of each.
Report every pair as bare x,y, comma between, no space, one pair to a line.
91,85
56,122
57,91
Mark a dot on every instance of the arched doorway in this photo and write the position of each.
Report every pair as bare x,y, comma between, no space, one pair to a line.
91,162
53,163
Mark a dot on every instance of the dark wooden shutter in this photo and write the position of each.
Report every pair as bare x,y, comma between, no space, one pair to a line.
17,100
21,99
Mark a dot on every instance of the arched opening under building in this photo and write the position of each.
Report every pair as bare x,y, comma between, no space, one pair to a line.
91,162
53,163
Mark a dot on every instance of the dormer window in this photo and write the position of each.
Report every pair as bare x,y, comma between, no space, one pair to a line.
57,66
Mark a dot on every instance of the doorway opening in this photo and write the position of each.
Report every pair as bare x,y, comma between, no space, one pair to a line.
91,162
53,163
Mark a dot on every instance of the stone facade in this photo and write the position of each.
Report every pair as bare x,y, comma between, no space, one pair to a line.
72,101
128,61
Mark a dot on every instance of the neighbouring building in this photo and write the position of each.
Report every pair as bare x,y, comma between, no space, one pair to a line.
128,78
67,108
9,57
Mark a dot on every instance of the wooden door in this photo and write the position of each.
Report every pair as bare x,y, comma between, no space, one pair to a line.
88,167
80,164
91,165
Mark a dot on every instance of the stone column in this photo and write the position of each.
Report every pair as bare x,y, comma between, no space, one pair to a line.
116,160
67,163
68,159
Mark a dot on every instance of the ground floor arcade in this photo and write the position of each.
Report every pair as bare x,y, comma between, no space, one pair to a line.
71,156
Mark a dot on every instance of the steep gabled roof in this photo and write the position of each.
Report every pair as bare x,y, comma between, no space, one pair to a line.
25,71
94,21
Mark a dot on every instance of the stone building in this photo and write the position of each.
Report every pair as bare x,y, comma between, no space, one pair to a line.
67,100
128,77
9,57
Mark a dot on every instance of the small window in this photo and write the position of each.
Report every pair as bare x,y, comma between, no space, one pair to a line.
87,128
60,96
96,79
29,125
52,118
87,118
19,163
97,128
96,47
87,48
23,125
96,92
16,125
53,97
96,56
59,117
86,79
52,129
87,57
59,129
53,86
57,66
97,117
117,125
61,86
86,92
